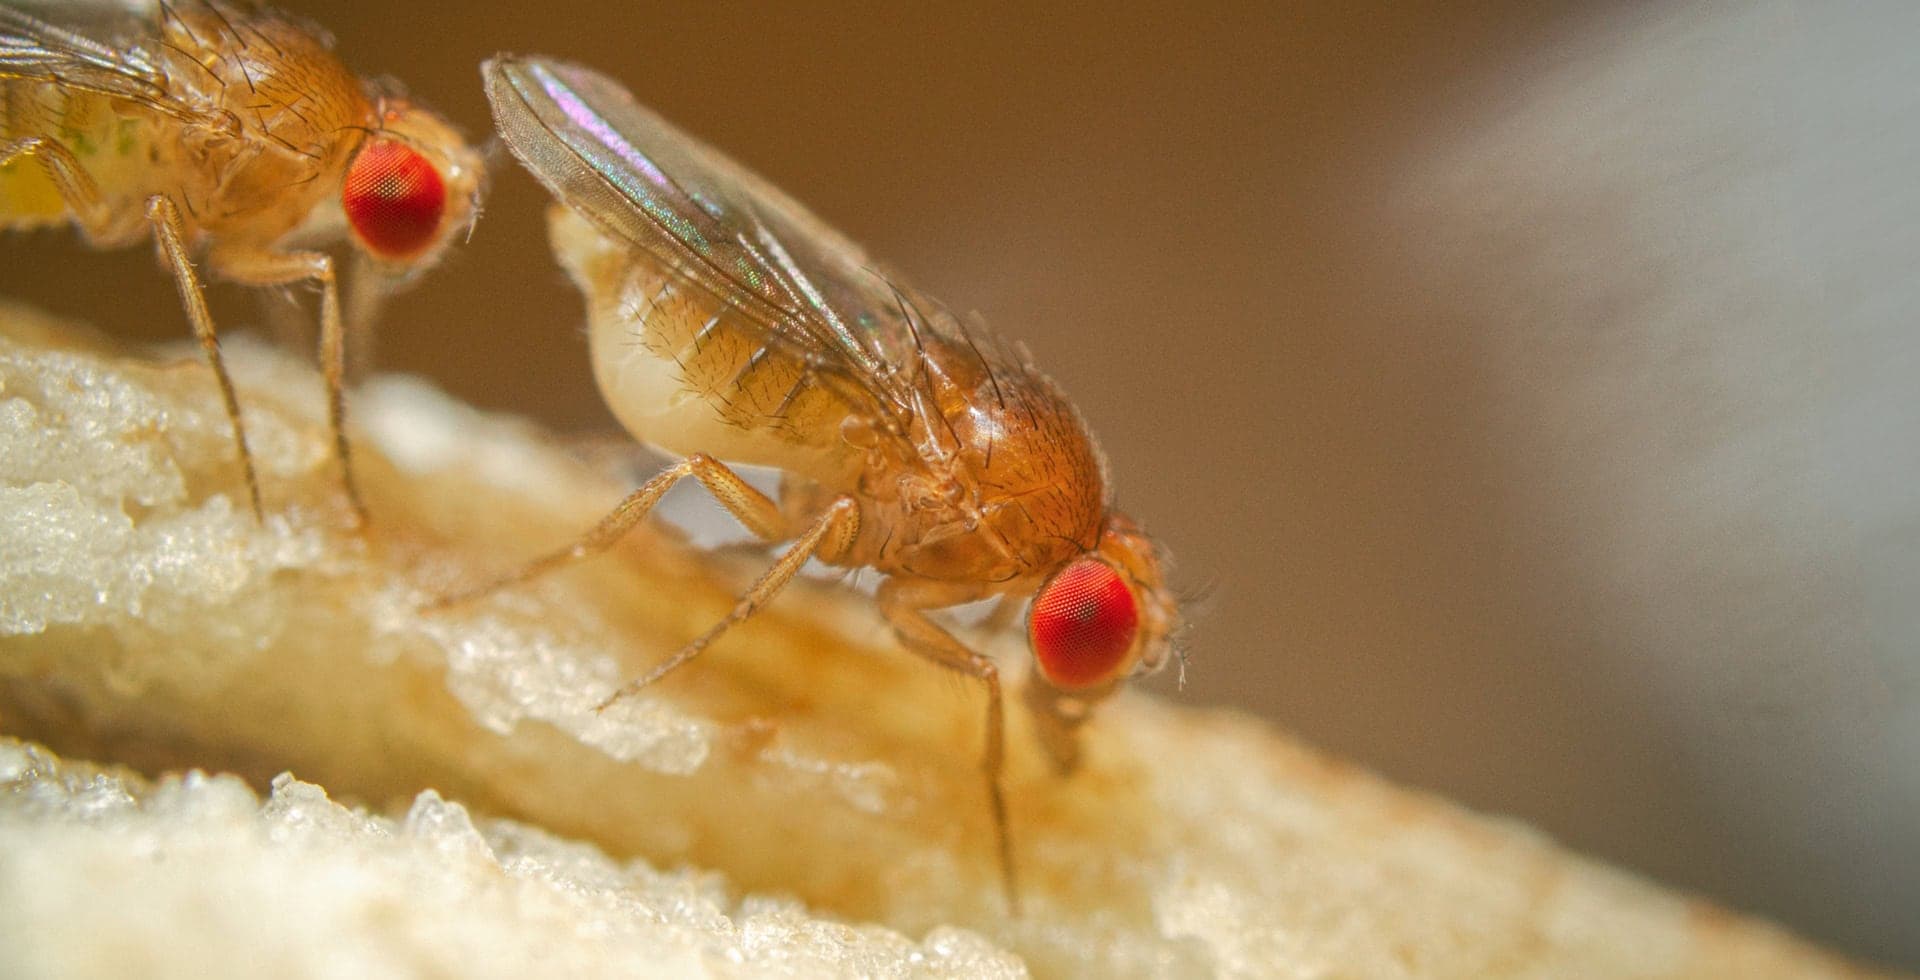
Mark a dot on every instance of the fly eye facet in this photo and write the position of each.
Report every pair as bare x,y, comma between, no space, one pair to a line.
1083,624
394,199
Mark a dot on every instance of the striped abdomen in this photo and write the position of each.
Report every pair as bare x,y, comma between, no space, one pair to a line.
684,373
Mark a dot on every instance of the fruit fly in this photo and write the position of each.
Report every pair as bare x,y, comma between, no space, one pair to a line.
232,132
727,322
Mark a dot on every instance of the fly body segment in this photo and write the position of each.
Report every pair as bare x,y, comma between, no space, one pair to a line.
728,323
229,134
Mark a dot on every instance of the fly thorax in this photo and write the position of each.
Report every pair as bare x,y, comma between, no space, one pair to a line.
264,192
297,109
938,531
1037,477
936,496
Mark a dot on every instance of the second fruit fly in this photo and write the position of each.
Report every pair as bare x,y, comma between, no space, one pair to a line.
230,131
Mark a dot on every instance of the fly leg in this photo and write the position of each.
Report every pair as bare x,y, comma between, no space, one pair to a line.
254,267
82,198
1057,717
904,604
828,536
1001,617
750,507
75,186
165,218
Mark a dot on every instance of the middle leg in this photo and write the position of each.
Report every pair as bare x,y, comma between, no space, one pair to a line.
255,267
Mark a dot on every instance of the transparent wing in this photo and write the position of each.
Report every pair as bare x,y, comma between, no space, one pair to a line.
133,49
720,227
92,48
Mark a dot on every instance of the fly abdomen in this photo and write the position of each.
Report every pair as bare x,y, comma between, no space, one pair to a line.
687,372
111,145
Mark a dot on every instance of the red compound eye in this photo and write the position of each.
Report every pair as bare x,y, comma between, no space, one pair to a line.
394,199
1082,625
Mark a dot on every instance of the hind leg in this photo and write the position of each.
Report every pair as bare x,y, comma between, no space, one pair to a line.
82,199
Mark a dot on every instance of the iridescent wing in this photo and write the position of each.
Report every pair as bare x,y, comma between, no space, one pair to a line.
725,230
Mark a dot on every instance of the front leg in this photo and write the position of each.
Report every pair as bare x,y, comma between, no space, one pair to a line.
1057,716
264,267
904,603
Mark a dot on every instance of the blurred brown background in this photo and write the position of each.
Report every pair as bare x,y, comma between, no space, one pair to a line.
1500,366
